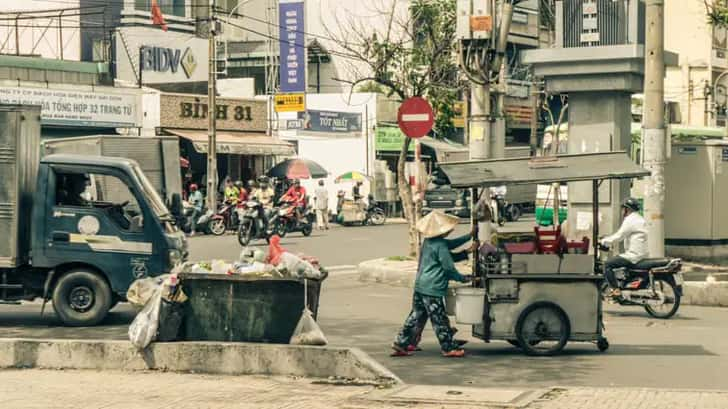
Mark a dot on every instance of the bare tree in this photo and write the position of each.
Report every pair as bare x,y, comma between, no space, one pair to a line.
409,53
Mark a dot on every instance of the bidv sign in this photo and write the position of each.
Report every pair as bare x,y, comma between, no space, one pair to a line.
161,59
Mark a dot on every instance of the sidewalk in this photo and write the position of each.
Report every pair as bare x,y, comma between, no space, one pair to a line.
705,285
31,389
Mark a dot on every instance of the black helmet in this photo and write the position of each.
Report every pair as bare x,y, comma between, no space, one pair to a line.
632,204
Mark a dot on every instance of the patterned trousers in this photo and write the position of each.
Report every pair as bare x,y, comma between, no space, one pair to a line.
424,307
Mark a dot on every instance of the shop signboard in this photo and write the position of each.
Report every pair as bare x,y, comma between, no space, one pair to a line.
77,108
292,46
289,102
328,122
190,112
174,57
390,139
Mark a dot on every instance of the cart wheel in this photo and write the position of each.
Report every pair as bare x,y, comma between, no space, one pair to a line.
543,329
602,344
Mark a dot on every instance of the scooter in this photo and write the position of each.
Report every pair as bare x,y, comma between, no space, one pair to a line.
226,218
184,221
251,225
653,283
286,221
375,214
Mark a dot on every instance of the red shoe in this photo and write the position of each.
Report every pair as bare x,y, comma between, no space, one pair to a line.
455,353
413,348
399,351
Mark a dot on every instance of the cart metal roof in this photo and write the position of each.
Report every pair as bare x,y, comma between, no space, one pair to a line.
561,168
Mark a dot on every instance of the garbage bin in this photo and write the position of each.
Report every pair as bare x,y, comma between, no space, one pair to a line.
241,309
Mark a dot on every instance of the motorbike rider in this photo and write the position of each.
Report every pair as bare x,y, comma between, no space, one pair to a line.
242,192
634,234
231,192
296,195
197,201
264,195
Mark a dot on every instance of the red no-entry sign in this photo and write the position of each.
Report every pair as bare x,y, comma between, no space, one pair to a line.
415,117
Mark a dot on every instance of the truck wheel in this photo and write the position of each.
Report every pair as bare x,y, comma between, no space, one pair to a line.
81,298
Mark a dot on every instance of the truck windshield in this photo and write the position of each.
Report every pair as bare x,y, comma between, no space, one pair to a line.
151,195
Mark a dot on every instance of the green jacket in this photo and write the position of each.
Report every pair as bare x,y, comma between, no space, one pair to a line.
437,265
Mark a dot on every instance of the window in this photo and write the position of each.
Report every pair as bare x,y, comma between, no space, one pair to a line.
169,7
106,193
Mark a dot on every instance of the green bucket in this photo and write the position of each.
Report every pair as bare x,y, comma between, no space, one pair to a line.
545,216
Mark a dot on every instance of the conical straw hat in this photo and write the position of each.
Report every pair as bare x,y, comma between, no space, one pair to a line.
436,224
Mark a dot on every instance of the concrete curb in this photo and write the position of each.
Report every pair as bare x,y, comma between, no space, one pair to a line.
196,357
402,274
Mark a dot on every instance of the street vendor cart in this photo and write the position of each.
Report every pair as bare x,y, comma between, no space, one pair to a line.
538,296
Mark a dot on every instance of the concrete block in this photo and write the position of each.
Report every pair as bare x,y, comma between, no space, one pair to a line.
197,357
709,294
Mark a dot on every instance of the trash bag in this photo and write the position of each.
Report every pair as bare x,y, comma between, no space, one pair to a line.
140,291
307,331
143,330
297,267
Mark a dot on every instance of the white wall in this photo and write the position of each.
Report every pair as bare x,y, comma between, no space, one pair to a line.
34,38
337,155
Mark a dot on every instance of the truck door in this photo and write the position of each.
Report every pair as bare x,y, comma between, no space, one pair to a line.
95,218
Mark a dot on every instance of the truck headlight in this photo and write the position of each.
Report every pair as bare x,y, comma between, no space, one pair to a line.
459,202
174,257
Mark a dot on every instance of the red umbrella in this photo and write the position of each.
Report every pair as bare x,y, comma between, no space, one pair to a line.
298,169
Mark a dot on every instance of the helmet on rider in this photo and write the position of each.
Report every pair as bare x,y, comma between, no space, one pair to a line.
263,180
239,184
193,187
631,204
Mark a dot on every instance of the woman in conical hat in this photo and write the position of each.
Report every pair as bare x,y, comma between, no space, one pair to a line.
436,268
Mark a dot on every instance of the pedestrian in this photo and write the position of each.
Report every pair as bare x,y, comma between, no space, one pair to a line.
321,204
197,201
435,270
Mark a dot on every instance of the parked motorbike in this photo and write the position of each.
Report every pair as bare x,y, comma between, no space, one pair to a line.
286,221
252,225
226,218
654,283
375,214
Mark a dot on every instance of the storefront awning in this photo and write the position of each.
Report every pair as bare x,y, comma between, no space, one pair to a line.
446,151
238,143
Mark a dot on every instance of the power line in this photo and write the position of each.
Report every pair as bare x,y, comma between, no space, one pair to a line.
279,26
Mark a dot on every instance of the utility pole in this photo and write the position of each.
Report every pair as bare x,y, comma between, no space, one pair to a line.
536,103
654,127
212,115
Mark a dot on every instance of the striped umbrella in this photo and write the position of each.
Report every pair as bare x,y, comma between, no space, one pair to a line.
298,169
353,176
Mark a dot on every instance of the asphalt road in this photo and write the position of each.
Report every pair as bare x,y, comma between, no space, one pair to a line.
689,351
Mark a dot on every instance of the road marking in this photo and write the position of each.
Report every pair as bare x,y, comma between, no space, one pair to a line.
342,267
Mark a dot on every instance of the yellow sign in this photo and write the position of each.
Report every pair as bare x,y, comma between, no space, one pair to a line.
481,23
458,121
290,102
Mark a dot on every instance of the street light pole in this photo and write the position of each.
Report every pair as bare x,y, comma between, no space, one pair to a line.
655,145
212,116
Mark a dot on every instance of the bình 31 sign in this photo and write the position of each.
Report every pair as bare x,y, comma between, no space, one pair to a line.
75,108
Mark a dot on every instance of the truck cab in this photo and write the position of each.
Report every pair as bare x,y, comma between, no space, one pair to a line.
97,225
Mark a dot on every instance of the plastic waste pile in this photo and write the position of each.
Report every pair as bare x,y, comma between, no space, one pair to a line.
279,263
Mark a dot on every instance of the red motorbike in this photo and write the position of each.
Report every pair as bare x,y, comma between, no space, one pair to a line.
226,218
287,221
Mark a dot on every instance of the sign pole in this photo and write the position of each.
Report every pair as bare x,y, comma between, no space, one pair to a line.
212,116
418,184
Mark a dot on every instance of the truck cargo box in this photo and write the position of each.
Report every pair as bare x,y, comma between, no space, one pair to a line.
19,158
157,156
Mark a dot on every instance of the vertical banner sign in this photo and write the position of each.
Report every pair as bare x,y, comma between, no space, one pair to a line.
292,46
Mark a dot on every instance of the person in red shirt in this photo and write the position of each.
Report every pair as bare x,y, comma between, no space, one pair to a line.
296,195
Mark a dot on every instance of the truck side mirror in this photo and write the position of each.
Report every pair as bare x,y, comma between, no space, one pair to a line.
176,204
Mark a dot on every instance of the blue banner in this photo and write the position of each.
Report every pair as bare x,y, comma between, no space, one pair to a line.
292,46
329,121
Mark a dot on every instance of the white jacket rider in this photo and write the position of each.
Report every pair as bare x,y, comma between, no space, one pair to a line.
634,234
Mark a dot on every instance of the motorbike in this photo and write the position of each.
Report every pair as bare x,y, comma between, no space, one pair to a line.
375,214
251,225
226,218
653,283
183,220
285,221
